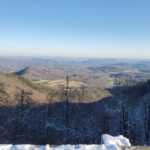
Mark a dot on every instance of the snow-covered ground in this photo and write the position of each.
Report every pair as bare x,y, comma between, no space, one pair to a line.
47,147
108,143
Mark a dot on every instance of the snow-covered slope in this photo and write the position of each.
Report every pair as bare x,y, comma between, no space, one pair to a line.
110,143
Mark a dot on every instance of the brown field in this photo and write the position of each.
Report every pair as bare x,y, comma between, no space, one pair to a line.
56,83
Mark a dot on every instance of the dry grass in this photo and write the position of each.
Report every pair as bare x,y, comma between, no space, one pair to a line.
56,83
13,84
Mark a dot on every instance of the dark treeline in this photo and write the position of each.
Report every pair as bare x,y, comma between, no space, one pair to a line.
125,113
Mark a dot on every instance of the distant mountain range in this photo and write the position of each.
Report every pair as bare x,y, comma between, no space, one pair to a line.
38,68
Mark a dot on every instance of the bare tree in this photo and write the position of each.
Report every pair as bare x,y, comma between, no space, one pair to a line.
83,91
67,102
23,98
50,97
146,120
3,94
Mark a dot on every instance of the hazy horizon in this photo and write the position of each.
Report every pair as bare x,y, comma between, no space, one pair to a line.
70,57
101,29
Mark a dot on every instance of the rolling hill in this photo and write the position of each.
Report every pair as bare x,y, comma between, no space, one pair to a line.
12,84
39,73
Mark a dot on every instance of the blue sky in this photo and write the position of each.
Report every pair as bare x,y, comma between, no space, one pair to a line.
87,28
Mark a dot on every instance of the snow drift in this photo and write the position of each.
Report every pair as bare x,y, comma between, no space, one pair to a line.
115,143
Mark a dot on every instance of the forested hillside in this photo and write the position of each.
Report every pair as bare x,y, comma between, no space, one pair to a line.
31,113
